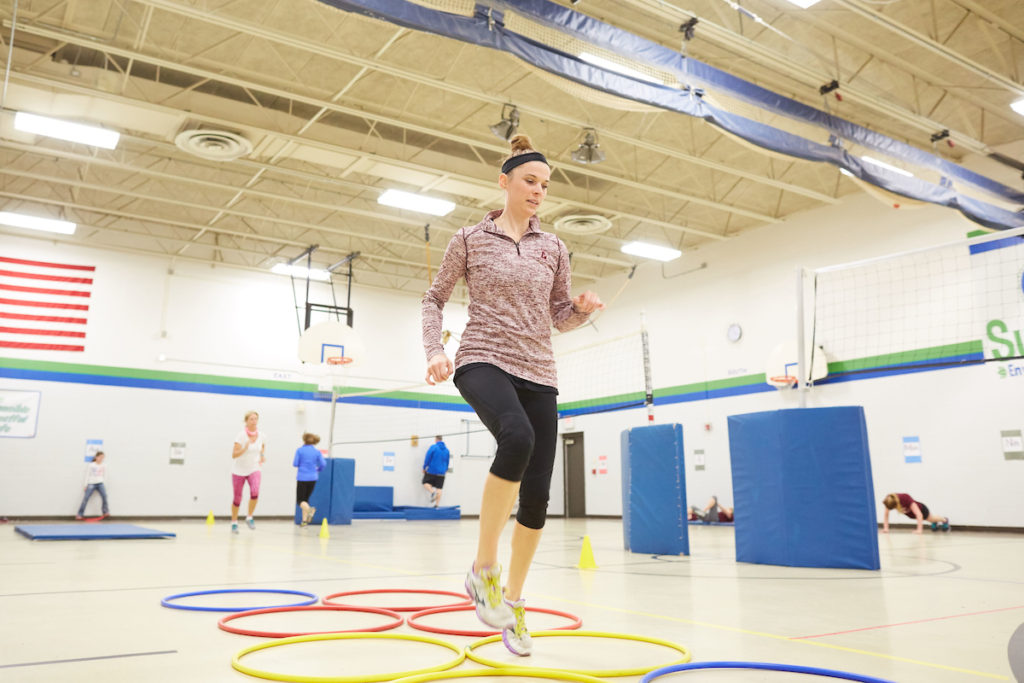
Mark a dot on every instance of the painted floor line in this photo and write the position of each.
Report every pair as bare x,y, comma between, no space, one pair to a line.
89,659
774,636
908,623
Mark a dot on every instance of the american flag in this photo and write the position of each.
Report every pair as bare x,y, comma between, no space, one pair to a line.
43,305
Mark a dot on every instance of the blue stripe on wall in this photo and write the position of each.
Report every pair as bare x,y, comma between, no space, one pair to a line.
659,399
200,387
906,368
996,244
712,393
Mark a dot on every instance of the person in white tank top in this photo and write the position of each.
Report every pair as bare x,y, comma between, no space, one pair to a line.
248,455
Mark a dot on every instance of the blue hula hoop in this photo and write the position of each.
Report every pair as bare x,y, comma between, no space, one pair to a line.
166,602
791,668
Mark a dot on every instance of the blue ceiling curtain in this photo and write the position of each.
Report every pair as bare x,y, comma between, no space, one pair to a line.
486,27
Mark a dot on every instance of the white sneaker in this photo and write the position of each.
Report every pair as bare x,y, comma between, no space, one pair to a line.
516,638
485,590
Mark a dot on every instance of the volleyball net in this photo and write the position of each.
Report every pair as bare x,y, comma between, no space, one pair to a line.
954,304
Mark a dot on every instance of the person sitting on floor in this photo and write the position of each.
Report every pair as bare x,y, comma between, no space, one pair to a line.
712,512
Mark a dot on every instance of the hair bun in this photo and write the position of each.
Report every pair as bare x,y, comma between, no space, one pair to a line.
520,143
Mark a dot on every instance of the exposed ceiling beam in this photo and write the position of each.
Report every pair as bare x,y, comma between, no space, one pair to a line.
803,72
97,187
200,228
315,144
321,49
75,39
992,18
418,292
933,46
878,52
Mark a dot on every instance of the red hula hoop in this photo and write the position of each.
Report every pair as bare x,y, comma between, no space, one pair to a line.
463,598
223,623
576,622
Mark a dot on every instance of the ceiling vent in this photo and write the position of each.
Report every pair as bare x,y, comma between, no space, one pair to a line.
582,224
216,145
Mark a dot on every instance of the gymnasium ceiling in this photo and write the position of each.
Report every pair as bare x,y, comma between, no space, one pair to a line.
338,107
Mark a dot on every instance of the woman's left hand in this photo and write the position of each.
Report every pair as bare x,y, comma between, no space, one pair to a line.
587,302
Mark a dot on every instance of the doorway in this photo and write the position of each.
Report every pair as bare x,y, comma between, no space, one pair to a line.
574,475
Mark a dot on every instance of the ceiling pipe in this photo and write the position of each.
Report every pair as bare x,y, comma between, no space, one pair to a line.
315,144
933,46
405,74
812,78
453,137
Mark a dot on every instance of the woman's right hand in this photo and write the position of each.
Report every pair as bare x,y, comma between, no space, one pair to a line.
439,368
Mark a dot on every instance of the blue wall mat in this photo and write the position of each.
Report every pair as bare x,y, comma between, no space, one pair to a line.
802,488
320,498
87,532
343,490
374,498
654,490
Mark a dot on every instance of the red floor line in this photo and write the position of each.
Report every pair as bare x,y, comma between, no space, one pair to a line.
906,623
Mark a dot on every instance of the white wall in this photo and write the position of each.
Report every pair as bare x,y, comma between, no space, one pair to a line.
241,325
202,322
958,414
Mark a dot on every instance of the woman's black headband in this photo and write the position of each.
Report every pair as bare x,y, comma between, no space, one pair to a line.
520,159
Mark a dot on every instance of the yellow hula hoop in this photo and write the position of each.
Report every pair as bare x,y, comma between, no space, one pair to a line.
600,673
524,672
367,678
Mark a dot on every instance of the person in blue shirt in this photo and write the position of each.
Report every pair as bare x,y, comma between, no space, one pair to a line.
435,465
310,462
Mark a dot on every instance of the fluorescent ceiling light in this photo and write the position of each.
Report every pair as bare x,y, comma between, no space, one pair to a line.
888,167
1018,106
416,202
618,68
804,4
20,220
65,130
301,272
651,251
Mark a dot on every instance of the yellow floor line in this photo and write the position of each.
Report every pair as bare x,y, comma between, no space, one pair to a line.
774,636
723,627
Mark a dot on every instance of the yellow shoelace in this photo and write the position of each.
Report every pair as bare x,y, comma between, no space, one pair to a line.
494,594
520,613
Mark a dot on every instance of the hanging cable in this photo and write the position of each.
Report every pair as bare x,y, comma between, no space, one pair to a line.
426,247
10,56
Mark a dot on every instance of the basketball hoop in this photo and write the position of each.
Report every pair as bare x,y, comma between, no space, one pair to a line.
783,381
340,360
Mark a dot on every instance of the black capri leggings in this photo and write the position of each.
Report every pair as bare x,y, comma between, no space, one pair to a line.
524,422
303,490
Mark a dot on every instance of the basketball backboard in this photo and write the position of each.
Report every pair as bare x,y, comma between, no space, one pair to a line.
330,340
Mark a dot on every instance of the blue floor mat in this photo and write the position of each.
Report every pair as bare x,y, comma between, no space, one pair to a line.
412,512
87,532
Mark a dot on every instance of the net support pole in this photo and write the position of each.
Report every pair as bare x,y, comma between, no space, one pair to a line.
334,405
801,370
648,385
